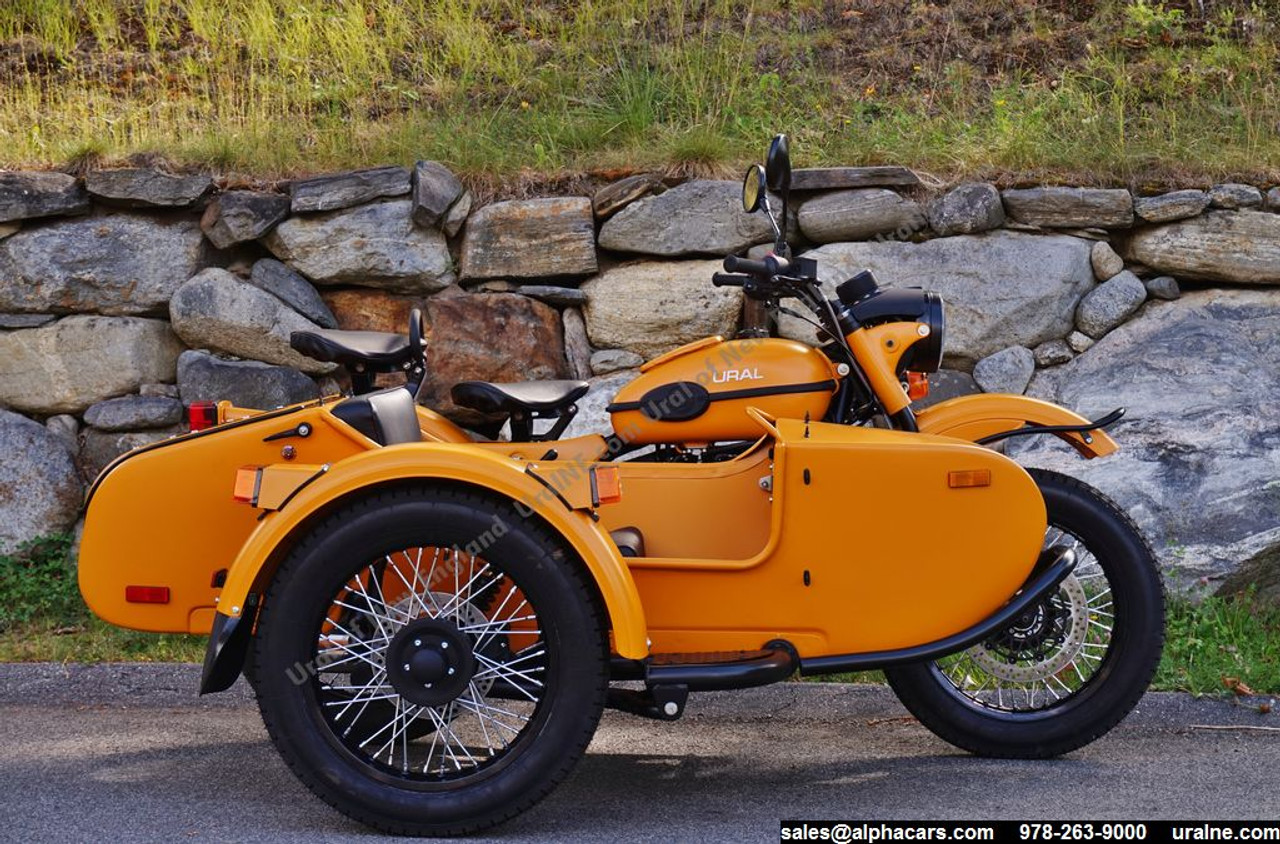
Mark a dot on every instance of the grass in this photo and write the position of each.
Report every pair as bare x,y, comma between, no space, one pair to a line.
1113,91
1212,646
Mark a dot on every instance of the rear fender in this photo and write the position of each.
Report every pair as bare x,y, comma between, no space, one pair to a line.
974,417
279,530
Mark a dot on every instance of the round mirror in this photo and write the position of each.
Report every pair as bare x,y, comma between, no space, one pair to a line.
752,188
778,165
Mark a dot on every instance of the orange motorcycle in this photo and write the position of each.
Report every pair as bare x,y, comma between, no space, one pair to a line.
433,624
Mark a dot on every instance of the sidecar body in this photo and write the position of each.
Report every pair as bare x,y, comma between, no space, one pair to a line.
836,540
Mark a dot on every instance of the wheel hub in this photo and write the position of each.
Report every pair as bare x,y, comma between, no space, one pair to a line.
430,661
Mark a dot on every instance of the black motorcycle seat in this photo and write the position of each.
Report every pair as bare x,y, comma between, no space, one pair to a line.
375,351
524,397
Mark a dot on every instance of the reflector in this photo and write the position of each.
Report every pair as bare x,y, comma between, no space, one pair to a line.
146,594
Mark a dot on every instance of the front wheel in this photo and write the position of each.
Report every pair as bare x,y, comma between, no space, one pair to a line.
429,662
1070,668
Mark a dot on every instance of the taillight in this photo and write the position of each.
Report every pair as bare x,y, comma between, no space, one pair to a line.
248,482
202,415
917,385
146,594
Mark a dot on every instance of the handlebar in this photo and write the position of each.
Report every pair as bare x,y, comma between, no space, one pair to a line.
734,264
730,279
771,266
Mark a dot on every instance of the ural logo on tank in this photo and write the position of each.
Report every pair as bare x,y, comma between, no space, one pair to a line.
737,375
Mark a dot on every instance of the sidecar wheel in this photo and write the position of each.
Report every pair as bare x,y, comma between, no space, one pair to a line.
1071,669
429,662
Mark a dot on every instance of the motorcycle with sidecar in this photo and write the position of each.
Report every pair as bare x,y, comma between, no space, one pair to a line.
433,623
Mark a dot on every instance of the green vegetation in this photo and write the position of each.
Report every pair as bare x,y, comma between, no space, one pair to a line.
1221,644
42,617
1110,91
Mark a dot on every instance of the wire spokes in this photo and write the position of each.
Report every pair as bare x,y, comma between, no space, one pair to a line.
1050,653
430,663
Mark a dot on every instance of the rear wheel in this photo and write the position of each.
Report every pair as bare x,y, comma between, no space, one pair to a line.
428,662
1071,667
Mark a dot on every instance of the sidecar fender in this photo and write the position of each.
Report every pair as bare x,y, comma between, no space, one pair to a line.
515,480
974,417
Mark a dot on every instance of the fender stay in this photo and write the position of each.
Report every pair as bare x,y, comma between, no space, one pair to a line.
991,417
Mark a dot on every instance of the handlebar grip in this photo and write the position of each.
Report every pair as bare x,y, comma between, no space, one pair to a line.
729,280
734,264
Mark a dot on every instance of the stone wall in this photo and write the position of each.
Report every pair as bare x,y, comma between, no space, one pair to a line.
131,292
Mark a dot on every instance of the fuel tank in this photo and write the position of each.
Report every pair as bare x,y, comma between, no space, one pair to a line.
700,392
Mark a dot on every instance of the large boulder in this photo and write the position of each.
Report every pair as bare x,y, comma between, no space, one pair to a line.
245,383
142,187
343,190
652,307
1001,288
215,310
24,196
70,364
530,238
40,490
371,246
118,265
858,215
1198,465
238,216
696,218
489,337
1060,207
1239,246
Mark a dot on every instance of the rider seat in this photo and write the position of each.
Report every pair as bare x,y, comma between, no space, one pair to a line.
522,402
363,353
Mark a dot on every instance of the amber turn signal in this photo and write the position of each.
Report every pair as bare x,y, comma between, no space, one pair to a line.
248,482
607,484
969,478
917,385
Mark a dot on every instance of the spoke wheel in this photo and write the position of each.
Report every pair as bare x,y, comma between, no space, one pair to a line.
1072,666
429,662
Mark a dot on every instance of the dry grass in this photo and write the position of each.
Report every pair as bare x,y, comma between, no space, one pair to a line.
1106,92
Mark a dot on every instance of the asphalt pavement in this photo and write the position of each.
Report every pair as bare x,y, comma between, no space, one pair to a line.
130,753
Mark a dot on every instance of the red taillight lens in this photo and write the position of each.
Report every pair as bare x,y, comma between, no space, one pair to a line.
146,594
202,415
917,385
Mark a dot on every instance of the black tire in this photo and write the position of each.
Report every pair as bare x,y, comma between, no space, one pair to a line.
949,696
499,757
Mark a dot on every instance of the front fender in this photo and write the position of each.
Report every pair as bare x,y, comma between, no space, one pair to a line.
974,417
256,562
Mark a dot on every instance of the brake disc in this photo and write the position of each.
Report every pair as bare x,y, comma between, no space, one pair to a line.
992,660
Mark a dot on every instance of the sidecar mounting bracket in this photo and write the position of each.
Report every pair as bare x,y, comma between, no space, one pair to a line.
661,702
